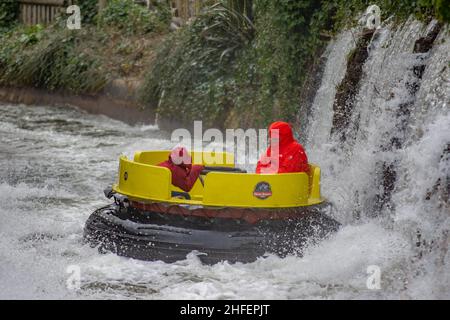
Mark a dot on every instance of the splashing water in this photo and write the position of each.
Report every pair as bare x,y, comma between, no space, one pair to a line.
351,170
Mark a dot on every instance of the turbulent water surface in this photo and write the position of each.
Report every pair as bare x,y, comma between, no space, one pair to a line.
56,161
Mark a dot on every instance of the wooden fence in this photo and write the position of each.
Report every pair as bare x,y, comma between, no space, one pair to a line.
41,11
45,11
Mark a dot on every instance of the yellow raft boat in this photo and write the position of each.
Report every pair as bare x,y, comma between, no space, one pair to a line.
228,215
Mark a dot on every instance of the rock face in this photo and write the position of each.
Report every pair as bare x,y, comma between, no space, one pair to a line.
349,87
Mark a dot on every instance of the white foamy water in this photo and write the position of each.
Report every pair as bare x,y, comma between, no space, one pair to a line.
55,163
352,171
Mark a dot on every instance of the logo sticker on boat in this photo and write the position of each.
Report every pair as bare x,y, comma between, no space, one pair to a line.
262,190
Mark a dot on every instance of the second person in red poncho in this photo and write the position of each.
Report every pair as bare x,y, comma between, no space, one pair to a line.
284,154
184,173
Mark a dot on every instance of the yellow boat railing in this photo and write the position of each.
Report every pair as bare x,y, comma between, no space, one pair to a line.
142,180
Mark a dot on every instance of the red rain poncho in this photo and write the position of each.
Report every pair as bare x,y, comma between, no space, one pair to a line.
292,156
184,174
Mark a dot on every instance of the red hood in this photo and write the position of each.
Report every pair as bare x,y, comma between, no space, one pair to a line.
181,157
290,157
284,131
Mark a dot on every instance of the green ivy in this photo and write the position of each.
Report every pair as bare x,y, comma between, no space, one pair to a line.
240,63
287,39
49,59
194,71
262,80
55,58
399,9
221,64
442,8
9,11
89,10
133,18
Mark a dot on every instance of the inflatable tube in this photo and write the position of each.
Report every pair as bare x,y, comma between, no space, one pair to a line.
151,235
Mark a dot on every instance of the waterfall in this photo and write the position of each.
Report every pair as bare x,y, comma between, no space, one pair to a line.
393,168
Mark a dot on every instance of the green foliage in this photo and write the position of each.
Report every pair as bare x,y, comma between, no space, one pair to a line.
252,73
55,58
225,62
89,10
240,63
400,9
48,59
31,35
193,71
133,18
244,7
226,31
9,11
287,40
442,8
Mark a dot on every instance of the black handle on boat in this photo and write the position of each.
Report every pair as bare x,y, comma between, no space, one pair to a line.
109,192
222,169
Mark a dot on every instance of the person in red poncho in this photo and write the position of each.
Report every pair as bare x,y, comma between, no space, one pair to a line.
284,153
184,174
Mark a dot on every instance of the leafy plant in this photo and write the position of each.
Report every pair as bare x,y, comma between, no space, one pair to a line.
9,11
133,18
442,10
54,58
31,34
89,10
193,67
239,63
287,40
226,31
244,63
400,9
49,60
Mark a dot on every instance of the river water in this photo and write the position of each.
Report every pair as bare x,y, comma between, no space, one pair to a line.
56,161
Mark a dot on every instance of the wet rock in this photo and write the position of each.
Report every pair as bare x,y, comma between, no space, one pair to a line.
349,87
